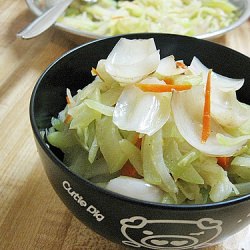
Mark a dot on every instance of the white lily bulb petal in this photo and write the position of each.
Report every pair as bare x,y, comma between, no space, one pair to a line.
167,67
101,71
132,60
135,188
221,82
139,111
135,50
227,110
187,107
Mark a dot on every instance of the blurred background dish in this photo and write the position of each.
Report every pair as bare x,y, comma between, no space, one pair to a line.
39,6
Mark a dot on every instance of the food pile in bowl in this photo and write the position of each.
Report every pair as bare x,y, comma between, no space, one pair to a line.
156,129
129,136
110,17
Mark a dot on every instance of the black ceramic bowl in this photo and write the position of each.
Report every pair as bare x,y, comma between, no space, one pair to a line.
121,219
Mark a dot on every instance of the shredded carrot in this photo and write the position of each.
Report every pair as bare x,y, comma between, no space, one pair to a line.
181,65
129,170
162,87
68,119
67,100
169,80
206,123
138,142
224,161
136,137
117,17
94,72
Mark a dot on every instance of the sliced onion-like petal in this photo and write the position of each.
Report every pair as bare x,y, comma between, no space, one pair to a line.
221,82
140,111
227,110
135,188
245,127
229,141
187,108
101,71
167,67
132,60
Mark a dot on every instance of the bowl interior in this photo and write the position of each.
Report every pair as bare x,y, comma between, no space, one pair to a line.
72,71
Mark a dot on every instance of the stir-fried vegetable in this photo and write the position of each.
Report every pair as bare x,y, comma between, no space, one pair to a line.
162,87
148,128
206,129
110,17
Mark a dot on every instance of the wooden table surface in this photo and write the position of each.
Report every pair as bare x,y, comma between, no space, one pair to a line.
31,215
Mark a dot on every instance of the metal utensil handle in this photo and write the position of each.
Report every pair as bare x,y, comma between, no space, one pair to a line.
45,21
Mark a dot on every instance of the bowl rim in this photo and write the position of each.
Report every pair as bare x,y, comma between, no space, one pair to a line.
118,196
84,34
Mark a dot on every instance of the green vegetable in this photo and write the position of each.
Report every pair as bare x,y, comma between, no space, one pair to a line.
97,149
133,154
109,17
108,138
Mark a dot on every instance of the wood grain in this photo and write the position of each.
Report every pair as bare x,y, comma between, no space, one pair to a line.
31,215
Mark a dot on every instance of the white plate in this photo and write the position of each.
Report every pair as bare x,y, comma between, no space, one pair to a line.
244,6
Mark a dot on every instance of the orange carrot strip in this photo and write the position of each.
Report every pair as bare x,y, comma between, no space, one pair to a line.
224,161
67,100
162,87
68,119
206,123
129,170
117,17
137,141
136,137
181,65
94,72
169,80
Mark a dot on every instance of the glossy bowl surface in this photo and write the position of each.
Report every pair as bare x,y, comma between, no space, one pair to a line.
124,220
39,6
